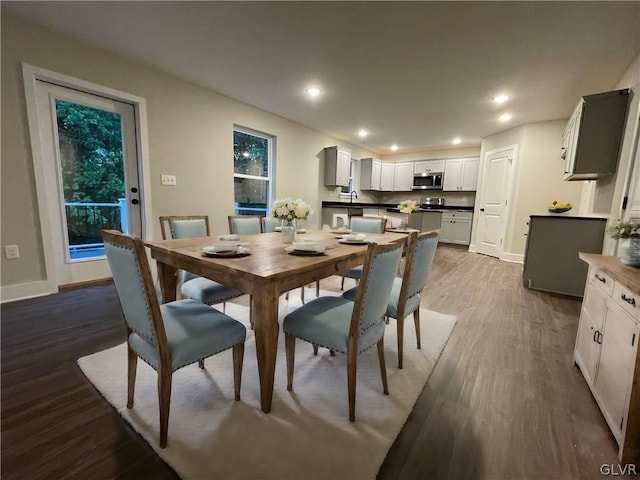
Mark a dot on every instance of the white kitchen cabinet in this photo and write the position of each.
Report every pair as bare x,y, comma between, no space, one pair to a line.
387,174
461,174
370,171
456,227
428,166
403,177
606,347
337,166
592,138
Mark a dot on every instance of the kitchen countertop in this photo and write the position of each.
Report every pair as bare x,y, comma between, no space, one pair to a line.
392,207
629,276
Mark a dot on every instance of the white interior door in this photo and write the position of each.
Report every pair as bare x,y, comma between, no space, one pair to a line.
496,189
90,160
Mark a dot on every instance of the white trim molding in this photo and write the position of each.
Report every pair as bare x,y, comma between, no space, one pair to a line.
22,291
31,74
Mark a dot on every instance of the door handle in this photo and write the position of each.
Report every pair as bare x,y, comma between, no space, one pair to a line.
482,209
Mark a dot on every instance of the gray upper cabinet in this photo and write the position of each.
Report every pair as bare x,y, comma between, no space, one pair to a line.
337,166
592,139
370,171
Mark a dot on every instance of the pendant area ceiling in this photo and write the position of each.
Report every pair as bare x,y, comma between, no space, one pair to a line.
415,74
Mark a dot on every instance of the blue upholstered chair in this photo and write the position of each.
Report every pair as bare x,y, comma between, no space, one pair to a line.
405,294
168,336
348,327
245,224
362,225
192,286
269,224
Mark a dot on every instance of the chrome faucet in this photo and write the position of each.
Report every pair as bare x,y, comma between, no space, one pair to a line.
351,196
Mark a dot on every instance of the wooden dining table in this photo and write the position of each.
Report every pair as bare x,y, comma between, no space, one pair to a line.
265,273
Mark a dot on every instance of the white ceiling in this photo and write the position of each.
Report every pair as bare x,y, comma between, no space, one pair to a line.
412,73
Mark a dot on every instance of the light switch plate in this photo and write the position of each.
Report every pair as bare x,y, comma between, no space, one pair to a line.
168,180
11,251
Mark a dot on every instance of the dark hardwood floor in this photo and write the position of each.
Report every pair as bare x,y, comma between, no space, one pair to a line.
505,400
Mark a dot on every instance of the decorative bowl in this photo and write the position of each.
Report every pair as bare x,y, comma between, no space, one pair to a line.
559,209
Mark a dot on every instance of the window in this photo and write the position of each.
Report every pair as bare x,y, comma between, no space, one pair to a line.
252,170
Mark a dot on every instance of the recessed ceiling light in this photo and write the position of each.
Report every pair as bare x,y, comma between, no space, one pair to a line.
501,98
456,141
313,91
394,147
505,117
362,133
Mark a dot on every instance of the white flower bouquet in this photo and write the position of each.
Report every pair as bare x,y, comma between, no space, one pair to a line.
407,206
288,209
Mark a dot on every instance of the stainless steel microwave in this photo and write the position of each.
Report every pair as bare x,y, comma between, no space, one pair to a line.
427,181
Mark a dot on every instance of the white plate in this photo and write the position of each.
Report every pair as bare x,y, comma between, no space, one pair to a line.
239,251
354,242
291,250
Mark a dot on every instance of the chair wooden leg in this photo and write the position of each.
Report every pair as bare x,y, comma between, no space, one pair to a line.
201,363
290,351
416,321
164,400
383,366
352,366
238,356
315,349
400,322
317,288
132,363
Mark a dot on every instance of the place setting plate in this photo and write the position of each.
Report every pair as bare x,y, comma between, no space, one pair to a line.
234,252
354,239
305,249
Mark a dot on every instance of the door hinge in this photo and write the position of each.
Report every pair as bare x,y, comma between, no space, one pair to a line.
624,203
500,241
633,340
505,202
621,422
510,160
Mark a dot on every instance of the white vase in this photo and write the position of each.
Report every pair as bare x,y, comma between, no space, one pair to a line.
629,252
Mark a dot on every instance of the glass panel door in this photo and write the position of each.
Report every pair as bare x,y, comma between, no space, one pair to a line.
252,160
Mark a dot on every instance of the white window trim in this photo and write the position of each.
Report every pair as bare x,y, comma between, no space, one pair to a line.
31,74
271,174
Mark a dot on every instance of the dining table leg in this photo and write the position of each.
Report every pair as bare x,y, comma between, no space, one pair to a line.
168,281
264,312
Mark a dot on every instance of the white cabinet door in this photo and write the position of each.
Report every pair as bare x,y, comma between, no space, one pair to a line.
446,230
461,231
337,166
461,174
570,140
452,174
387,173
587,347
428,166
616,366
469,175
403,177
370,174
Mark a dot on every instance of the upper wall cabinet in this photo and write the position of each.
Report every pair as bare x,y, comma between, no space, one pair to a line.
428,166
337,166
370,170
461,174
592,139
403,177
387,174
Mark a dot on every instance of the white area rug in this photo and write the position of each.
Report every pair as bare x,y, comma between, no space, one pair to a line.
306,435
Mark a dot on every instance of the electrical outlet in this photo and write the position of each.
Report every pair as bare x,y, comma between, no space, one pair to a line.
169,180
11,251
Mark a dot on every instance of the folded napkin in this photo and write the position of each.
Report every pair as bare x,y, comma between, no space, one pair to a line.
232,236
308,246
354,237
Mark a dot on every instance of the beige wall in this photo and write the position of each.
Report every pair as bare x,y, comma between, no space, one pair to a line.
537,178
189,132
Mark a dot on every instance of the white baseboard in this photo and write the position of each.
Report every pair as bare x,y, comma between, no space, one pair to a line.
506,256
512,257
22,291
